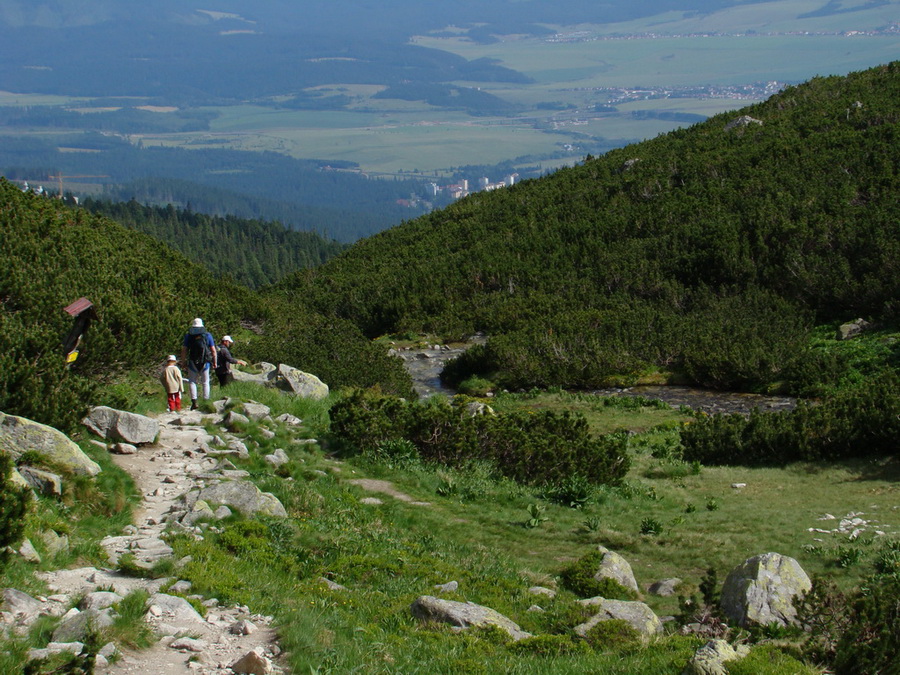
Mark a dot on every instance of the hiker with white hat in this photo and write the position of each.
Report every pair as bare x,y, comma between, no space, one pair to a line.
173,383
225,359
198,355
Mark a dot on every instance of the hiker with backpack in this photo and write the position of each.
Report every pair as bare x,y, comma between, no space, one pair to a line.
198,356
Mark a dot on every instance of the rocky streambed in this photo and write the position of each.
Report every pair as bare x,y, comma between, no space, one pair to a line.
424,365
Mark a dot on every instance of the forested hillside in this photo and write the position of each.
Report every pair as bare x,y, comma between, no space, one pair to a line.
145,294
254,253
709,252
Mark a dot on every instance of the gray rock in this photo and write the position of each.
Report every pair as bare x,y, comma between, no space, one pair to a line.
762,590
55,648
464,615
332,585
45,482
186,644
19,435
264,377
233,420
242,627
540,590
371,501
300,383
54,543
222,512
256,411
21,605
710,659
852,329
123,448
639,615
254,662
289,420
449,587
664,588
100,600
245,497
278,458
174,609
122,425
180,587
742,121
615,567
77,626
28,552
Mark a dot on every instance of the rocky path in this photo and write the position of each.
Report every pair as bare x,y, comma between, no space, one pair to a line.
226,639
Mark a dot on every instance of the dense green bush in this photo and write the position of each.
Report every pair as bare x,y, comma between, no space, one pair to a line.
542,448
13,507
869,643
858,421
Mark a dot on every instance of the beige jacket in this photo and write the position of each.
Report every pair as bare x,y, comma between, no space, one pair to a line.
172,379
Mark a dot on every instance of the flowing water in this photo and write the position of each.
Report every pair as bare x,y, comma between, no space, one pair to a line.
424,366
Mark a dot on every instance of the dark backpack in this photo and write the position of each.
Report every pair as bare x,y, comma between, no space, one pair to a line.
199,352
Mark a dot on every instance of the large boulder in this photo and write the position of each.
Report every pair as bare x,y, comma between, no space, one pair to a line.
19,435
300,383
762,590
852,329
265,376
637,614
615,567
121,425
243,496
464,615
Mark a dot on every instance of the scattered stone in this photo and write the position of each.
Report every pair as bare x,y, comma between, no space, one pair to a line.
56,648
222,512
54,543
42,481
121,425
449,587
639,615
710,659
245,497
186,644
852,329
615,567
19,435
540,590
180,587
742,121
300,383
371,501
464,615
289,420
28,552
123,448
762,591
77,626
256,411
332,585
100,600
252,663
664,588
20,605
536,608
738,486
233,420
242,627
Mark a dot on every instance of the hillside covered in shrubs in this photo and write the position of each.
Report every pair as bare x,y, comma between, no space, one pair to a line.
709,252
145,295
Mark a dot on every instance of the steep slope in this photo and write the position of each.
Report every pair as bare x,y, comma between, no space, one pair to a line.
709,250
145,294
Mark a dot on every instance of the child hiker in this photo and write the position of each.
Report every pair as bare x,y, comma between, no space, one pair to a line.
173,383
